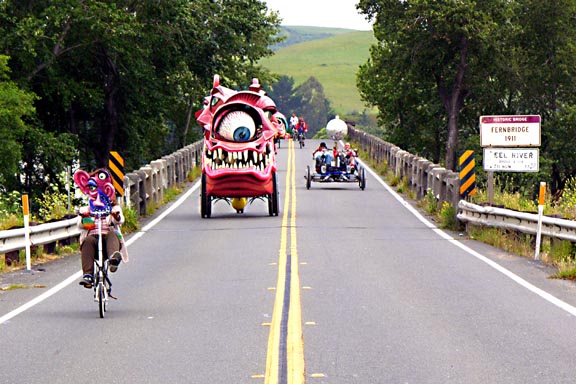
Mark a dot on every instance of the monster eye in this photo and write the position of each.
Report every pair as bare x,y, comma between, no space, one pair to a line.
102,175
237,126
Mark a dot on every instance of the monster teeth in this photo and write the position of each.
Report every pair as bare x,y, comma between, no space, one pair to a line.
222,159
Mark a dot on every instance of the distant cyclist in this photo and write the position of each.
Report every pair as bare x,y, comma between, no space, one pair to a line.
302,128
293,122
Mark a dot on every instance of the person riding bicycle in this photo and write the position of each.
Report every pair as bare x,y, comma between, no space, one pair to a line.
293,123
302,128
103,211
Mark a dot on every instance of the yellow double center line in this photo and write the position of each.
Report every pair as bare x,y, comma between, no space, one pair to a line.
285,358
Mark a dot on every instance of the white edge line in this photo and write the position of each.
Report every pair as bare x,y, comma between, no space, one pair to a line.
540,292
77,275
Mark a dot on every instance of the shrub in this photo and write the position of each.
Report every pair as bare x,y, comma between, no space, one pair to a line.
429,203
53,204
10,205
567,202
448,217
131,223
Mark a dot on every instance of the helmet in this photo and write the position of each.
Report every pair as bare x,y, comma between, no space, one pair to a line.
347,146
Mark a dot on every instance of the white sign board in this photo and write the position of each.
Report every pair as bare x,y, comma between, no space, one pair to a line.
512,159
510,131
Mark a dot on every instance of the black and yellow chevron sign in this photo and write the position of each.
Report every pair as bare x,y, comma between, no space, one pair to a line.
116,166
467,174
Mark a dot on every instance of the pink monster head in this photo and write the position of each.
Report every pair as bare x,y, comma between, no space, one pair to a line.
99,189
239,132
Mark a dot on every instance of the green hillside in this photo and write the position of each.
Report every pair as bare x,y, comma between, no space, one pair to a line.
300,34
334,61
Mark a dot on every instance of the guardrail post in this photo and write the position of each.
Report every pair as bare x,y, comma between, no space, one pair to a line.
161,178
421,167
132,193
143,189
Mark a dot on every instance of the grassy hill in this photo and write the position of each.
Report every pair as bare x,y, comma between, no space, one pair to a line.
300,34
333,60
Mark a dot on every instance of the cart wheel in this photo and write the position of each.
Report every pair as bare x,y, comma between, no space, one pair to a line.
205,200
362,179
308,177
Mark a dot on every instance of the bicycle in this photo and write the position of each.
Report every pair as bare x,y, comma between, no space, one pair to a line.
102,283
301,139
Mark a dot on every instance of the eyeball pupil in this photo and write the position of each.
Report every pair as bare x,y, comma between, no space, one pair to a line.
241,134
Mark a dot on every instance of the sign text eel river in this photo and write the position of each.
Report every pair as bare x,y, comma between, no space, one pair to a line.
511,159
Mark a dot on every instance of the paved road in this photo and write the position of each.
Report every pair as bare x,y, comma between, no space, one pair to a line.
344,286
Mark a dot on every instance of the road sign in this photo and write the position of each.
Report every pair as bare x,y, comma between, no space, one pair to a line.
467,174
512,159
116,166
510,131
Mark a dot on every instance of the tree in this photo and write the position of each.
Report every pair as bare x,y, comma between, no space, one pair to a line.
15,106
282,92
543,76
128,75
314,106
429,54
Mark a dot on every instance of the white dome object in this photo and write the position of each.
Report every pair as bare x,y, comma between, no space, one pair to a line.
336,128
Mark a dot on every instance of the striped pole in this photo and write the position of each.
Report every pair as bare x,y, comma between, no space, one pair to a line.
541,195
26,211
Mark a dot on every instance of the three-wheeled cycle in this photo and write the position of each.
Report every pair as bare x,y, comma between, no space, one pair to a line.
340,170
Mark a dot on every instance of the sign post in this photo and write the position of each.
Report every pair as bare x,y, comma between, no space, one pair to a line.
541,195
26,212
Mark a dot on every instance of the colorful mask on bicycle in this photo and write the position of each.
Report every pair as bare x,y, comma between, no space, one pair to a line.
99,189
239,131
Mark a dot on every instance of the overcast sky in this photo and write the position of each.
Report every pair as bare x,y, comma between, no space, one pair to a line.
320,13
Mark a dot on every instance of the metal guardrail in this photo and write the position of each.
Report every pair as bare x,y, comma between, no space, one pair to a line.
518,221
142,188
14,239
